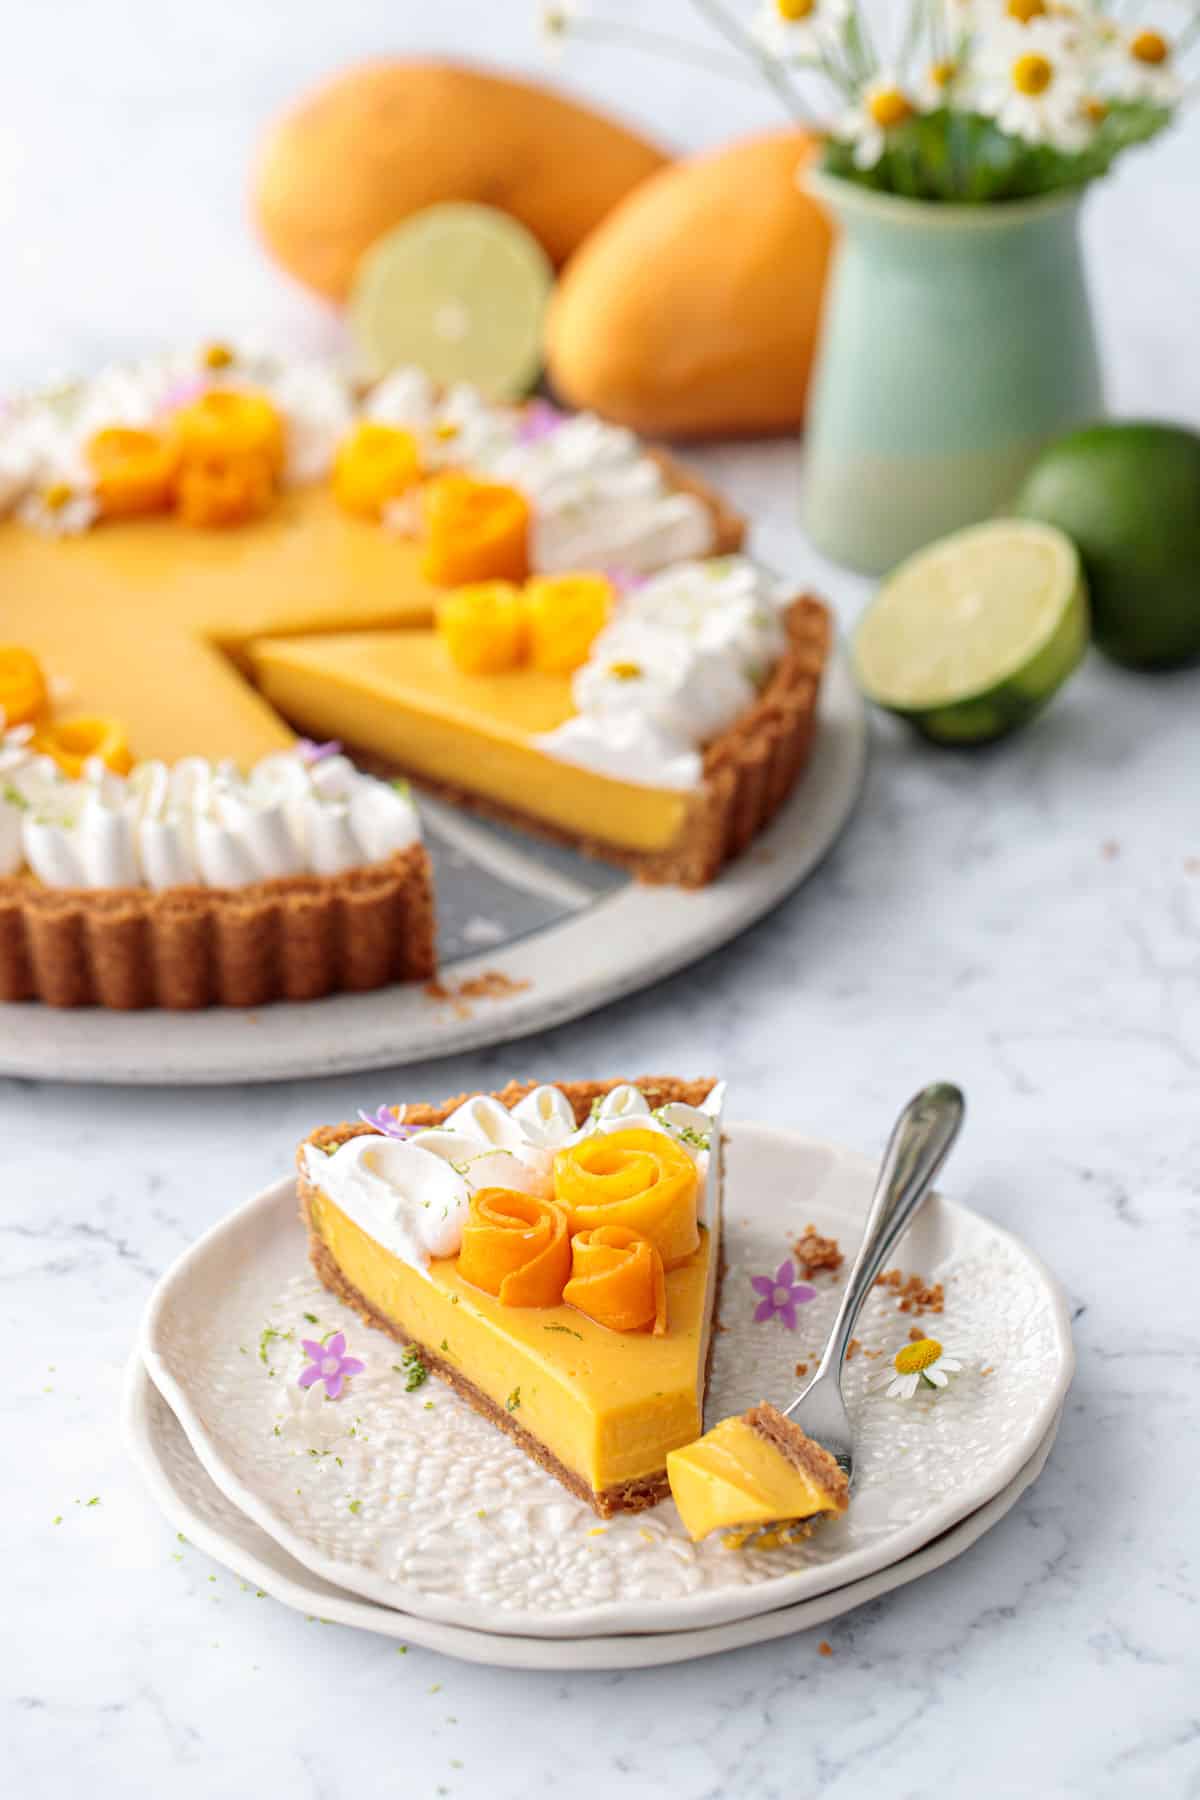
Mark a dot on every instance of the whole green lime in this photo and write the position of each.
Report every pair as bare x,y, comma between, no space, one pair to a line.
1129,497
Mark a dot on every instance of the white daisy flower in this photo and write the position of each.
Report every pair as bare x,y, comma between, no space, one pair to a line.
16,472
1142,67
555,23
59,509
942,84
798,30
883,104
1032,81
927,1363
318,408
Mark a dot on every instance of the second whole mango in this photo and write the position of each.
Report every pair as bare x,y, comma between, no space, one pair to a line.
693,310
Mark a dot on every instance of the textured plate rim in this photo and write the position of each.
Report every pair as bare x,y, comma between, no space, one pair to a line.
490,1648
569,966
607,1617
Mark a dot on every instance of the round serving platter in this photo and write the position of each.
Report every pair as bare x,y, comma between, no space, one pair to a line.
194,1505
416,1503
558,936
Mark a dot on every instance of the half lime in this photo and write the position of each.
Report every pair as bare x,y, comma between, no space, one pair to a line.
459,291
974,634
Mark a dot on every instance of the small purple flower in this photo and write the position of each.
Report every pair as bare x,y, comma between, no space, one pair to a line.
183,392
330,1364
384,1119
781,1295
311,752
626,581
539,420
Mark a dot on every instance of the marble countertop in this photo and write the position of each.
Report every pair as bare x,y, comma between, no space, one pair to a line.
1024,920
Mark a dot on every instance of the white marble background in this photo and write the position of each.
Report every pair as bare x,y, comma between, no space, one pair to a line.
1025,920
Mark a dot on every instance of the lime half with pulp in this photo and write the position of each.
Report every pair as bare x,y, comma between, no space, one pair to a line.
459,291
973,635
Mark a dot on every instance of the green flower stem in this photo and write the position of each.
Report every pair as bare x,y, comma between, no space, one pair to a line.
769,68
658,43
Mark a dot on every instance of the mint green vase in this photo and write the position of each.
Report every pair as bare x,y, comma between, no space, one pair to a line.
955,342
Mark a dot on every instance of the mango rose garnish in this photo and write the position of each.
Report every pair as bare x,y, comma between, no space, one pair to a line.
73,742
230,423
617,1279
516,1247
224,490
566,613
474,531
374,465
134,471
22,685
483,627
641,1179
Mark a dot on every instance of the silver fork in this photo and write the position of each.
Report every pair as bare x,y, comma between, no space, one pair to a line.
919,1145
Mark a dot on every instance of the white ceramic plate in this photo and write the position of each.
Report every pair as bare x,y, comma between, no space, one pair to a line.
415,1502
212,1523
604,941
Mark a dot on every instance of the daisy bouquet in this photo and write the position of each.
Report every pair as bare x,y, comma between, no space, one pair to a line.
949,100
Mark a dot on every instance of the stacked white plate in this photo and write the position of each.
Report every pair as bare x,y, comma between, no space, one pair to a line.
404,1513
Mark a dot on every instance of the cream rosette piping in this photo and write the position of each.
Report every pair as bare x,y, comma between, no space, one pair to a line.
684,657
196,821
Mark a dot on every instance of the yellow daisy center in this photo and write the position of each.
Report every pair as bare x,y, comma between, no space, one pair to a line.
625,671
941,74
795,10
57,495
1150,47
914,1359
445,430
1095,110
1032,74
888,107
216,356
1024,10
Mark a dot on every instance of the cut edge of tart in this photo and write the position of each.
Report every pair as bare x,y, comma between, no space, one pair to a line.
755,1472
749,771
295,937
597,1408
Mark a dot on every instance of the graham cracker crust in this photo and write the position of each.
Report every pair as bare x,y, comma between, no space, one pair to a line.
294,938
632,1496
803,1452
749,771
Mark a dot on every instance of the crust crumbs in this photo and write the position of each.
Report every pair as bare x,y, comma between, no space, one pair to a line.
814,1253
491,984
913,1293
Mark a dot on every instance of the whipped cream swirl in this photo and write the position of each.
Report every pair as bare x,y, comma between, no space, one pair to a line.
195,822
684,657
412,1194
598,499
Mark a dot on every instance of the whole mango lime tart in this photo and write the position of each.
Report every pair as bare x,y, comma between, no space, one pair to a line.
553,1253
530,613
